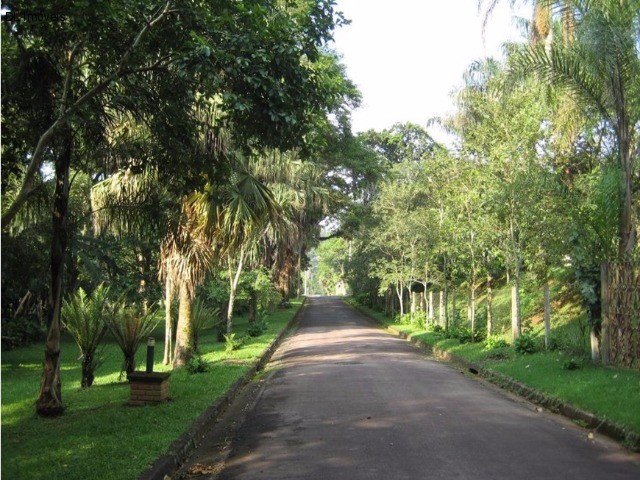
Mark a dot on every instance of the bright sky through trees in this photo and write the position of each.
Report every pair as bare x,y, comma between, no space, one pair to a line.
406,56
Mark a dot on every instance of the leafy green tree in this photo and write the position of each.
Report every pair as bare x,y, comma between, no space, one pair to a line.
333,258
599,67
154,62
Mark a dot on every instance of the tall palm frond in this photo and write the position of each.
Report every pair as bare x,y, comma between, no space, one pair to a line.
187,251
129,202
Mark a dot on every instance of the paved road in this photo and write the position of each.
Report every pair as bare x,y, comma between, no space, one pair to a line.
346,400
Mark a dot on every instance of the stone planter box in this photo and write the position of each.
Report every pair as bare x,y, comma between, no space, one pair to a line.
148,388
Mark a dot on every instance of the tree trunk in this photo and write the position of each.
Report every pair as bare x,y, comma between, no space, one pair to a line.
489,306
49,402
168,326
516,324
400,293
627,228
414,303
129,362
441,309
594,337
233,287
454,321
184,331
472,313
547,315
87,371
605,347
430,314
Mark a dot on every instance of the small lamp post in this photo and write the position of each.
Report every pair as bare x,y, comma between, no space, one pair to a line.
149,387
151,343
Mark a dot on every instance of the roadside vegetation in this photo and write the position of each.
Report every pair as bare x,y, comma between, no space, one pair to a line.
168,166
101,436
564,372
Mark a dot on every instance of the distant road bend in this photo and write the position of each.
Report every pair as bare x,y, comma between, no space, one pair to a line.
346,400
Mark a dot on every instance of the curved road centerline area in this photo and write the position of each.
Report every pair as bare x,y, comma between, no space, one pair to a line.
346,400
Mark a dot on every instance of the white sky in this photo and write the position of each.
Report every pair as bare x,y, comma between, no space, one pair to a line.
407,56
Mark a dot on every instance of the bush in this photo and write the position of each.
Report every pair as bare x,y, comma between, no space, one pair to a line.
362,299
20,331
85,318
463,334
232,343
450,333
204,316
130,325
436,328
494,342
403,319
419,319
499,354
257,328
526,343
197,364
570,364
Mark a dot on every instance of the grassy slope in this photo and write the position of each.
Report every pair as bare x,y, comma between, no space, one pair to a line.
98,436
611,393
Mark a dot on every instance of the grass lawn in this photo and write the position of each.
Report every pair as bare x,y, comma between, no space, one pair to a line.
611,393
98,436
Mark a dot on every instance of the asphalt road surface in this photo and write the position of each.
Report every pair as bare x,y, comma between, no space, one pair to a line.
346,400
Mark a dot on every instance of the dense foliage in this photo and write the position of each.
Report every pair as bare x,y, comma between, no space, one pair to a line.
537,194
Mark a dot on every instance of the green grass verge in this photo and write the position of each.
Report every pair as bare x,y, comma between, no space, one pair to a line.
610,393
98,436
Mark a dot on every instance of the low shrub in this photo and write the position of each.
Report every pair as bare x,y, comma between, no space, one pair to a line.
498,354
526,343
403,319
463,334
257,328
436,328
130,325
84,316
20,331
570,364
232,342
203,316
197,364
494,342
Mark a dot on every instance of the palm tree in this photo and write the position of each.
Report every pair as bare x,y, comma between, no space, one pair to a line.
300,189
186,257
598,66
541,23
600,69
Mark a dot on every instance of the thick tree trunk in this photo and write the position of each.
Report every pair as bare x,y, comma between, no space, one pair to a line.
184,333
168,325
49,402
547,315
